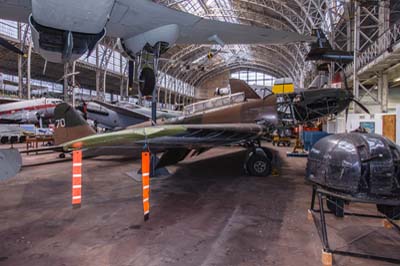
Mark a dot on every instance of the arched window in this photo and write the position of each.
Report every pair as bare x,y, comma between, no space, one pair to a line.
254,77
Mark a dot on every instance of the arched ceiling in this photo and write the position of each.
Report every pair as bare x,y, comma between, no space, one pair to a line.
190,64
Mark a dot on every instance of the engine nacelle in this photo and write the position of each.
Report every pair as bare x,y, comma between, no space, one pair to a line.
89,16
166,35
63,31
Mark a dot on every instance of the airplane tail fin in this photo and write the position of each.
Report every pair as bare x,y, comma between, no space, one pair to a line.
69,124
238,85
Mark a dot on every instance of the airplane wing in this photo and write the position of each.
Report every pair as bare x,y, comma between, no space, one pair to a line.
130,18
165,137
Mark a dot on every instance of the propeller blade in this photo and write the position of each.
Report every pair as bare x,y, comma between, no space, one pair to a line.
361,106
9,46
346,117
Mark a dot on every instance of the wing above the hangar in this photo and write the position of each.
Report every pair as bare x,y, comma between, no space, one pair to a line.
130,18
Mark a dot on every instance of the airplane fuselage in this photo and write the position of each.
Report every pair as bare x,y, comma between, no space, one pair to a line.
30,111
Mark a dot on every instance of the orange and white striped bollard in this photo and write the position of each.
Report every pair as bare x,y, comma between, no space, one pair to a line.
76,178
146,184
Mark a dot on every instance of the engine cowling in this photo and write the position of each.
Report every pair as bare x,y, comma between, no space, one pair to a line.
61,32
166,35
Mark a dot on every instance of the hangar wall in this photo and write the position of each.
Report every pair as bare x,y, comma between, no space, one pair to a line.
208,88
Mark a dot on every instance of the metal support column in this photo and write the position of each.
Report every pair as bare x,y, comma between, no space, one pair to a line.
97,73
356,47
384,93
28,71
384,24
65,84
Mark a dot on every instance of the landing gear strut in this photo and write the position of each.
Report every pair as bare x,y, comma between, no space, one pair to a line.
258,161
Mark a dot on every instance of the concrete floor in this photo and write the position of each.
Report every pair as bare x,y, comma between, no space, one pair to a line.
206,213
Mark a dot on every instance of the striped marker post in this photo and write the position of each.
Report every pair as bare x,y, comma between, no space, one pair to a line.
76,178
146,184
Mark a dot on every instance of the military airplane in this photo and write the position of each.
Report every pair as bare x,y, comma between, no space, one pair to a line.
204,125
119,115
322,50
29,111
240,121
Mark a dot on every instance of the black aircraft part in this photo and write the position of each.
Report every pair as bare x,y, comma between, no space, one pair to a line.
362,167
322,50
9,46
392,212
147,81
336,206
309,105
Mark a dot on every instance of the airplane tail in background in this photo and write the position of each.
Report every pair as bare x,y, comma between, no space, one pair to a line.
238,85
322,50
69,124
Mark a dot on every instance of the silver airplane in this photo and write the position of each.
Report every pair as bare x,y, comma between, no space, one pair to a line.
64,30
29,111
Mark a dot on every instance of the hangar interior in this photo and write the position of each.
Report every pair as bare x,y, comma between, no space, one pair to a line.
260,132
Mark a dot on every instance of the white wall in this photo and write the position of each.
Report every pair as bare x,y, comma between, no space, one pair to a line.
353,122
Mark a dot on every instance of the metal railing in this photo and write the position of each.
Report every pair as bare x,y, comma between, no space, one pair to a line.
379,47
214,103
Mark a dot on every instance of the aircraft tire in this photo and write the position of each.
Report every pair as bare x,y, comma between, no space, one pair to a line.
259,165
4,140
147,81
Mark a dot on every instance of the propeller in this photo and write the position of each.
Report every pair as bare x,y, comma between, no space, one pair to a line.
361,106
365,109
9,46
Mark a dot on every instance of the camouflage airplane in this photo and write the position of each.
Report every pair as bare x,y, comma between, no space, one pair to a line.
205,125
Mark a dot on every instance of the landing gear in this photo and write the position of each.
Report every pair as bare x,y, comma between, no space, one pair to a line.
258,161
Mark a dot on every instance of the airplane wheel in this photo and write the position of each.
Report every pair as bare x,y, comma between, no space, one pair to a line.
61,155
4,140
147,81
259,165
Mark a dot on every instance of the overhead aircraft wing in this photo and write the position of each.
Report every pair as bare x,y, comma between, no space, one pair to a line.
130,18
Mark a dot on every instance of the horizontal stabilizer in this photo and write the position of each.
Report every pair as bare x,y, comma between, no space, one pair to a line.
10,163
